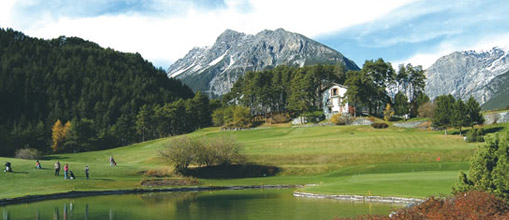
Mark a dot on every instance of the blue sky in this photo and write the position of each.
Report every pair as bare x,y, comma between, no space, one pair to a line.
399,31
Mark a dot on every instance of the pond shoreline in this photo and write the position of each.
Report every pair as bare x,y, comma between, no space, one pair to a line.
360,198
74,194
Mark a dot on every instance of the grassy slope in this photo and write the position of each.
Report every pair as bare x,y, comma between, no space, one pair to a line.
340,159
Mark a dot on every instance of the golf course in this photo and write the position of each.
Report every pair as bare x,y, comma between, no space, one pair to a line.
351,160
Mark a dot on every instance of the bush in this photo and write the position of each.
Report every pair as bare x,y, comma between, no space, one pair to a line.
470,205
314,117
28,153
379,125
182,152
372,119
179,152
280,118
475,135
341,119
426,110
488,168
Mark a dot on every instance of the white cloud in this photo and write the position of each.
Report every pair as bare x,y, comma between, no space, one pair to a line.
169,37
5,11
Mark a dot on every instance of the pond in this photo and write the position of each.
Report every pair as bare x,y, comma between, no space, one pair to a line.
232,204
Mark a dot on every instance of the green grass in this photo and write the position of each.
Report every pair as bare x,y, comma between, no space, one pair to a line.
339,159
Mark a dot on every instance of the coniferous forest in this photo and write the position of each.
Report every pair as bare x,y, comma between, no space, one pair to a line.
70,95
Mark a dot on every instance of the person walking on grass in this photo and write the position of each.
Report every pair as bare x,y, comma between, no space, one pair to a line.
8,167
66,171
86,171
57,168
112,161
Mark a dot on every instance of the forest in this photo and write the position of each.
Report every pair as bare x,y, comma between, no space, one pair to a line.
70,95
298,90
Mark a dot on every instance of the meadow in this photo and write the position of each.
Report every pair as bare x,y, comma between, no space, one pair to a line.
357,160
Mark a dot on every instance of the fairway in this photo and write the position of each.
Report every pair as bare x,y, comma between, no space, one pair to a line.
336,159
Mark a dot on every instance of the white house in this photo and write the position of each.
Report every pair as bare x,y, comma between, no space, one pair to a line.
334,100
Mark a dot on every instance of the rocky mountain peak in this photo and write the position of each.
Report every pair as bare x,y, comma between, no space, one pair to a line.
467,73
214,70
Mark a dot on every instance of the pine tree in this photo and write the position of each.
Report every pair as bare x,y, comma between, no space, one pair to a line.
489,168
473,111
401,104
443,112
459,116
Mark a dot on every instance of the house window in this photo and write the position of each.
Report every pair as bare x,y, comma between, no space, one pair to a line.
334,91
330,109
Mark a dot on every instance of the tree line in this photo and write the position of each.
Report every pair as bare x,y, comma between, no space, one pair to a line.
297,90
99,91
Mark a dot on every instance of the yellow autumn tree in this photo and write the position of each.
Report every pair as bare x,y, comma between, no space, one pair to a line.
58,134
388,112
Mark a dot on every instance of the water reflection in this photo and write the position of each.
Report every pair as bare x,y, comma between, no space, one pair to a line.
243,204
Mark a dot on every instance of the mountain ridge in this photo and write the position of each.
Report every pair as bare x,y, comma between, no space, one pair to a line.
214,69
468,73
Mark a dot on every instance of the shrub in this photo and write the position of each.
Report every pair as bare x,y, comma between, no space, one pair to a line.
341,119
372,119
280,118
475,135
182,152
469,205
379,125
488,168
426,110
314,117
28,153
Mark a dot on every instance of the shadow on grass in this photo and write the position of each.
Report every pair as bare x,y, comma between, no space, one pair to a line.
493,130
231,171
485,130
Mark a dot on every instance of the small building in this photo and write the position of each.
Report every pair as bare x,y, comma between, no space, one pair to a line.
334,100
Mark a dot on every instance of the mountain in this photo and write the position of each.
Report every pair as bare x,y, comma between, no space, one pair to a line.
500,87
215,69
469,73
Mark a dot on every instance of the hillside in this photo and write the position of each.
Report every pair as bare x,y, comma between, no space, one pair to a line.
215,69
500,86
68,78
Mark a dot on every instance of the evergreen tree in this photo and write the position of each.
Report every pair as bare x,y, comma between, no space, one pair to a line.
489,168
459,117
473,111
400,104
443,111
144,122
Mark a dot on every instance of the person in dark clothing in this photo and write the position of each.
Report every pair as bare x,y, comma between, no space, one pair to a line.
71,174
86,171
8,167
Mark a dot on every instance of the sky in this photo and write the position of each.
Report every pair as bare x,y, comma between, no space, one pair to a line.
162,31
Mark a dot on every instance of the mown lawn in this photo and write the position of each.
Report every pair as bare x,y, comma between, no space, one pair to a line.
338,159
